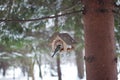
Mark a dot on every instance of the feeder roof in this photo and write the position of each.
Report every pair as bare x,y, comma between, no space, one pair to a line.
53,36
67,38
64,36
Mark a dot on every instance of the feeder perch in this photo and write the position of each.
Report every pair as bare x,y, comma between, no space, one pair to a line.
64,39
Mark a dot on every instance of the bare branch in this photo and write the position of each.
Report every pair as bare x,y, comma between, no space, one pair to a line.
37,19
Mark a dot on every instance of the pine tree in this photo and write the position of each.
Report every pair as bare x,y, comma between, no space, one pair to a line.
99,40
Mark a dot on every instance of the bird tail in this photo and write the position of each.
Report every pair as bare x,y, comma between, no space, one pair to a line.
53,54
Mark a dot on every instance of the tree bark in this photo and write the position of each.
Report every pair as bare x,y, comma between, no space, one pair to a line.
31,69
79,49
59,68
80,63
39,65
99,40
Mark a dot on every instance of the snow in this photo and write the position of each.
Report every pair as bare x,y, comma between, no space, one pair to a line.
69,72
11,76
118,2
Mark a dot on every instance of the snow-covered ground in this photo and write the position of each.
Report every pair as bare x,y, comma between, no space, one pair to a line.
69,72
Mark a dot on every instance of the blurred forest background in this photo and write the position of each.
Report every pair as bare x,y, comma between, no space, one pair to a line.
27,25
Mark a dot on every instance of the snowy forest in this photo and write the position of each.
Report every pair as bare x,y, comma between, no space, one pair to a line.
26,28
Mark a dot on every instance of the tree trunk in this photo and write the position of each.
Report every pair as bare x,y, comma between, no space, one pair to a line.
31,69
79,49
39,65
80,63
58,67
57,29
99,40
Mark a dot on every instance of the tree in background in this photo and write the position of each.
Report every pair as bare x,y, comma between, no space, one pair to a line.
79,46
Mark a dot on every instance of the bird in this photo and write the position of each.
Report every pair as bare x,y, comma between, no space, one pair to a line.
58,48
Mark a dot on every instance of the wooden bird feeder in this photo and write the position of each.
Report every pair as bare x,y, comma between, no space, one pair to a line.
63,39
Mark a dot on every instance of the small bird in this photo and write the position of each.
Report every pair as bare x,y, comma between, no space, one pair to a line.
58,48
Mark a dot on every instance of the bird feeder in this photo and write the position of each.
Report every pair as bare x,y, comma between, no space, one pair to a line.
63,39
